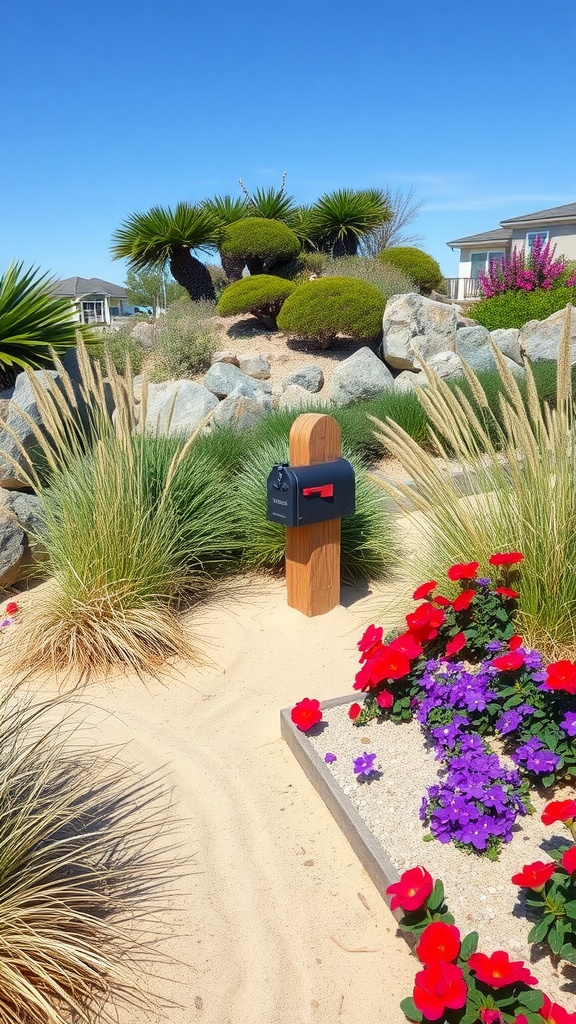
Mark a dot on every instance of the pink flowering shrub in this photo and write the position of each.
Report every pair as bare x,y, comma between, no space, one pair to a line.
524,271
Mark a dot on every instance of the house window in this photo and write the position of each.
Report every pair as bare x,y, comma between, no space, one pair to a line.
480,261
93,312
533,235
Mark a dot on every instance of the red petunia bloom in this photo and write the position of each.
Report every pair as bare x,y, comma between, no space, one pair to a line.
506,592
371,636
442,601
506,558
425,621
568,861
353,711
510,662
559,810
553,1013
11,608
424,590
386,663
363,678
306,713
515,642
498,971
407,645
464,600
437,988
385,699
455,645
534,876
463,571
439,942
561,675
488,1016
412,889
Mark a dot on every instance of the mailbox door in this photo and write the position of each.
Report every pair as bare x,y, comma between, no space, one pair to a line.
325,490
281,496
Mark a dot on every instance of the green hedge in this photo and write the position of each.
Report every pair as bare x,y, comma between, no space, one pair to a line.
261,295
260,242
514,309
417,264
320,310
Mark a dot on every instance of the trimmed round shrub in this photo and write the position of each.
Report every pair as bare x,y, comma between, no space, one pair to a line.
321,310
514,309
261,295
387,278
417,264
369,539
260,242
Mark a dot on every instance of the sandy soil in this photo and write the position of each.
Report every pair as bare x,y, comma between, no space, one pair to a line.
277,922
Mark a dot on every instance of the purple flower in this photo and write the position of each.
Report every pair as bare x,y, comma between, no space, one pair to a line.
449,733
364,765
536,757
568,723
330,758
5,622
494,645
483,581
509,722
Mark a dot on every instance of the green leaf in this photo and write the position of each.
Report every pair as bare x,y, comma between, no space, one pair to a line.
568,952
570,909
436,897
532,1000
409,1010
540,930
556,937
469,945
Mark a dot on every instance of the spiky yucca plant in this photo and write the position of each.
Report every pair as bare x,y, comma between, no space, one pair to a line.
341,219
82,868
32,321
520,489
228,210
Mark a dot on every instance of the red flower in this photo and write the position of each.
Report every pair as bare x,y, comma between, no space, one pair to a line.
407,645
515,642
390,664
424,590
439,987
412,890
425,621
463,571
442,602
552,1013
370,637
11,608
561,675
464,600
534,876
509,662
385,699
559,810
498,971
506,558
455,645
488,1016
306,713
353,711
568,861
363,678
438,942
506,592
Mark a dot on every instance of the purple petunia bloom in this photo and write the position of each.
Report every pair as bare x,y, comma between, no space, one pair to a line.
483,581
494,645
568,723
509,722
536,757
448,734
330,758
364,765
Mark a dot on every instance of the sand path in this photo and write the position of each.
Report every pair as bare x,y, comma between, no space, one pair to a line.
276,921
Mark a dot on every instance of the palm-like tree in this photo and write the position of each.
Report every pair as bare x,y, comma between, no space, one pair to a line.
162,235
228,210
272,204
340,219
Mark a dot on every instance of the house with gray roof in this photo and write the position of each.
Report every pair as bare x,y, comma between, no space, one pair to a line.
556,226
96,301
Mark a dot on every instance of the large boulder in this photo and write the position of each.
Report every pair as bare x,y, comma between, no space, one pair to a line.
507,339
13,550
413,326
224,356
27,510
144,333
254,365
19,425
242,410
445,364
309,377
295,397
223,378
540,339
473,345
177,407
410,381
360,376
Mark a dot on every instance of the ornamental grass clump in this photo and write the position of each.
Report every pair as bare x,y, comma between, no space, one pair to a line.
85,853
519,489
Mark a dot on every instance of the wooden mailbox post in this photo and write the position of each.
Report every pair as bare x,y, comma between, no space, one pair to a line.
313,552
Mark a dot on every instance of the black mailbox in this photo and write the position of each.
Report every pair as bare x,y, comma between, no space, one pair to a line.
300,495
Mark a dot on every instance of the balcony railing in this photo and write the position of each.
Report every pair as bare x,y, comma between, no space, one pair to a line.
458,288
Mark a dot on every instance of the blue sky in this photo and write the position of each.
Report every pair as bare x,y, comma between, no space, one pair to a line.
112,108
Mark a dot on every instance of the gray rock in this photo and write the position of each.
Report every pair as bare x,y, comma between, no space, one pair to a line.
27,510
508,341
240,411
254,365
224,357
23,399
13,549
177,407
410,380
473,344
446,364
144,333
222,379
362,375
518,371
295,397
309,377
539,339
414,325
